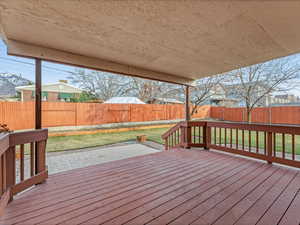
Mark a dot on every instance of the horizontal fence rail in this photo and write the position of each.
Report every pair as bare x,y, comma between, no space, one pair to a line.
273,143
22,163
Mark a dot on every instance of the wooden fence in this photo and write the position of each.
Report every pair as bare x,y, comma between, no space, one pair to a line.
274,115
20,115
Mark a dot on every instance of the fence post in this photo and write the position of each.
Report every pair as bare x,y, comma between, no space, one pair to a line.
269,146
206,136
10,169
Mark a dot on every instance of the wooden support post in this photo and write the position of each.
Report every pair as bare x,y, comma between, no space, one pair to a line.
38,106
187,104
188,131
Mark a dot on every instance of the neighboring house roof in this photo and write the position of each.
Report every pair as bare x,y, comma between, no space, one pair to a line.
169,100
124,100
60,87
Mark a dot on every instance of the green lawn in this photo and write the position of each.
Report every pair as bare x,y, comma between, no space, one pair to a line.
92,140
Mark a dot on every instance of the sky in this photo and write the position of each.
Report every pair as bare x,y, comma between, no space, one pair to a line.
53,72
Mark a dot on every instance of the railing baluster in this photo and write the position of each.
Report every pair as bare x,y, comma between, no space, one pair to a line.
257,141
283,145
265,143
249,140
31,159
243,140
22,162
230,137
215,135
274,144
220,136
225,138
293,147
199,135
237,138
194,132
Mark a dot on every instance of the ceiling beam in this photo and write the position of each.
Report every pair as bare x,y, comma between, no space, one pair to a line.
17,48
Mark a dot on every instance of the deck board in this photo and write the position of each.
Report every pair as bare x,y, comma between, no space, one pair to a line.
170,187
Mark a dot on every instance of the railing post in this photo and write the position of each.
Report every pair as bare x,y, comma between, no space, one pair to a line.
10,169
41,157
182,136
206,136
269,146
166,144
188,135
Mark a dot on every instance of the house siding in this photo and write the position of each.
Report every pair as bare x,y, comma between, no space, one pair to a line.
52,97
27,96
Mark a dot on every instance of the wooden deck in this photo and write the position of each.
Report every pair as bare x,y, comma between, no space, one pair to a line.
171,187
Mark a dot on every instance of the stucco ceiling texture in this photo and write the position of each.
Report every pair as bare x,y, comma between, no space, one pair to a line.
180,39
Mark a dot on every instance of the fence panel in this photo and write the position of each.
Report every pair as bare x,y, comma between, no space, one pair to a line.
20,115
234,114
260,115
58,114
274,115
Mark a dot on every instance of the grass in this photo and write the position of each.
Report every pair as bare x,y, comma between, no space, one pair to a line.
92,140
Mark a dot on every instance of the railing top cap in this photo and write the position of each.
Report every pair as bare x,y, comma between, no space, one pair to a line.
251,123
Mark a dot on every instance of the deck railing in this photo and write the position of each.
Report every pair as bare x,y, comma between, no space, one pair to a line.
273,143
19,170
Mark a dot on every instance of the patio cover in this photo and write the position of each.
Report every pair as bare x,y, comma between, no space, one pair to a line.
175,41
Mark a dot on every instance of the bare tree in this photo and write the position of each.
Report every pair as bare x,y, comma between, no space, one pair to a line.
255,83
148,90
100,84
144,89
205,89
107,85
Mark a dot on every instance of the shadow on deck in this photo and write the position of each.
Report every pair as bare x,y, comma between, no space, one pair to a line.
171,187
